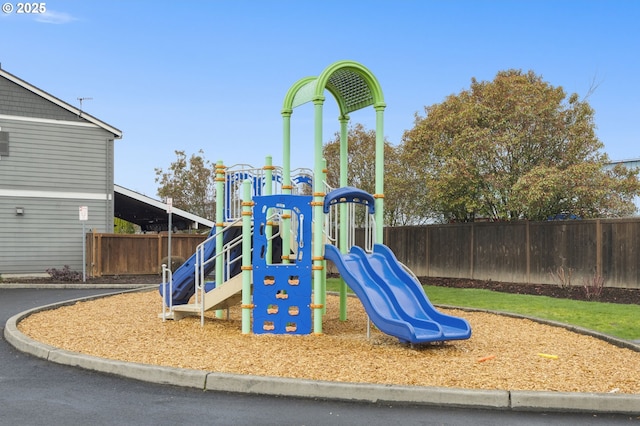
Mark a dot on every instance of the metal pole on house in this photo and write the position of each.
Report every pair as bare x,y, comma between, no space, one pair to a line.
84,255
84,216
169,226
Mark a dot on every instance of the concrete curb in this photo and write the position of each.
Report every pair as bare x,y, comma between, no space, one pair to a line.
357,391
576,402
595,403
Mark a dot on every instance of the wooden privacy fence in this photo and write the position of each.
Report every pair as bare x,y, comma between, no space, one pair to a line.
133,254
523,252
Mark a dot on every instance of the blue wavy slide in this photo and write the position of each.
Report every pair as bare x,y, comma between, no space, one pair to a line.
185,276
392,298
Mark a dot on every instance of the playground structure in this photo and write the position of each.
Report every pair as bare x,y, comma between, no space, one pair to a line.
276,228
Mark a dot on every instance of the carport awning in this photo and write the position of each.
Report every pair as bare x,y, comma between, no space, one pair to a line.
151,214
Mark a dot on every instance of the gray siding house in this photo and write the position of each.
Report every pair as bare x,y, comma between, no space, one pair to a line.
54,159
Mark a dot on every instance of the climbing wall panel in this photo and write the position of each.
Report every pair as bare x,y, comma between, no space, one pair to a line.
282,291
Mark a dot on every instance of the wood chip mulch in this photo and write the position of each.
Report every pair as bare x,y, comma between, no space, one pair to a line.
503,353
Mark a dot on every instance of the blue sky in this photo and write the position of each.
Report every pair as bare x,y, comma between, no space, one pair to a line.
212,75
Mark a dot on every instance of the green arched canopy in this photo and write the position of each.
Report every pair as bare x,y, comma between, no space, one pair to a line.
352,85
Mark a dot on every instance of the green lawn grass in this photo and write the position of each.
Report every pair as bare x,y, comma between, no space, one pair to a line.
614,319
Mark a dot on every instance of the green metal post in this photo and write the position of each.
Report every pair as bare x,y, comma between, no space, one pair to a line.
268,190
323,285
285,225
344,181
246,257
318,222
379,202
286,151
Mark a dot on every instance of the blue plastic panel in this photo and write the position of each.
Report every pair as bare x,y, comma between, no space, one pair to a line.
282,292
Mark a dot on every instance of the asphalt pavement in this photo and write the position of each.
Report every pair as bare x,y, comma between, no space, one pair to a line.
34,391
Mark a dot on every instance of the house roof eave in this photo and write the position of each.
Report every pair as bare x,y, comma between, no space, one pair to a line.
117,133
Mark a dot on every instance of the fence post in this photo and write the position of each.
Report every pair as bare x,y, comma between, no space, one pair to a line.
427,251
159,251
93,253
598,248
99,260
471,258
527,251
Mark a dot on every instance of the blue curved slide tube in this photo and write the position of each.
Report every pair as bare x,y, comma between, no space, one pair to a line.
392,298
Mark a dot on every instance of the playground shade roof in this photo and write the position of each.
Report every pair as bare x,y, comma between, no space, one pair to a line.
349,86
352,85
